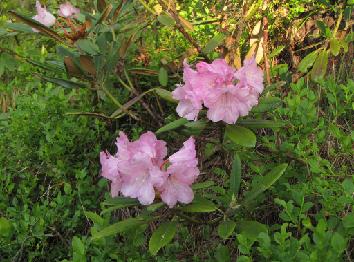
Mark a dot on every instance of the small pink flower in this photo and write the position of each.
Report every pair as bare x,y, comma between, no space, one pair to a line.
182,173
43,16
250,75
68,10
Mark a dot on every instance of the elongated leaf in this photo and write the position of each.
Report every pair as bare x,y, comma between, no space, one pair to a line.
266,104
213,43
276,51
19,27
63,82
258,123
235,177
71,68
307,62
41,28
226,228
121,202
172,126
94,217
101,5
200,205
162,236
87,65
324,29
119,227
241,135
165,94
163,76
335,46
166,20
107,10
320,67
266,182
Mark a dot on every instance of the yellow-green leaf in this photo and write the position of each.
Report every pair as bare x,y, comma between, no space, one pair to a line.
162,236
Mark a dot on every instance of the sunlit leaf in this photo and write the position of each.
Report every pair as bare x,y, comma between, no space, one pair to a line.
319,68
241,135
173,125
163,76
166,20
307,62
165,94
251,229
199,205
213,43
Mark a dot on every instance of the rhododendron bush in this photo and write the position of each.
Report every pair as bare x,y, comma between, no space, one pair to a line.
185,117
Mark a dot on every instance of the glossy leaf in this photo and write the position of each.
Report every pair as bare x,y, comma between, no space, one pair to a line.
162,236
226,228
241,136
200,205
266,182
213,43
172,126
235,176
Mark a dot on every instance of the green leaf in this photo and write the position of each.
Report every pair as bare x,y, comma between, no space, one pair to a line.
348,221
276,51
241,135
307,62
251,229
200,205
258,123
173,125
320,67
63,82
162,236
119,227
121,202
266,104
226,228
96,219
166,20
324,29
107,10
213,43
266,182
222,254
5,227
334,46
338,242
235,177
78,246
19,27
88,46
163,76
203,185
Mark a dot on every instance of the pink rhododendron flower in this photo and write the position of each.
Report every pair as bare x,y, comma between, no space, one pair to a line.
67,10
250,75
138,170
110,171
43,16
227,93
182,173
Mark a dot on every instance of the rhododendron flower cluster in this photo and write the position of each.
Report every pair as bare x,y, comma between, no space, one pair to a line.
139,170
227,93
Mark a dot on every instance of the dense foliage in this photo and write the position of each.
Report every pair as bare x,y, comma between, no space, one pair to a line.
276,186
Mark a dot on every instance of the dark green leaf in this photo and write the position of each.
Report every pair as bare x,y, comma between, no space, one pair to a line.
307,62
324,29
251,229
203,185
257,123
121,202
235,177
200,205
213,43
348,220
266,104
19,27
266,182
5,227
241,136
163,76
162,236
119,227
222,254
226,228
166,20
173,125
63,82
